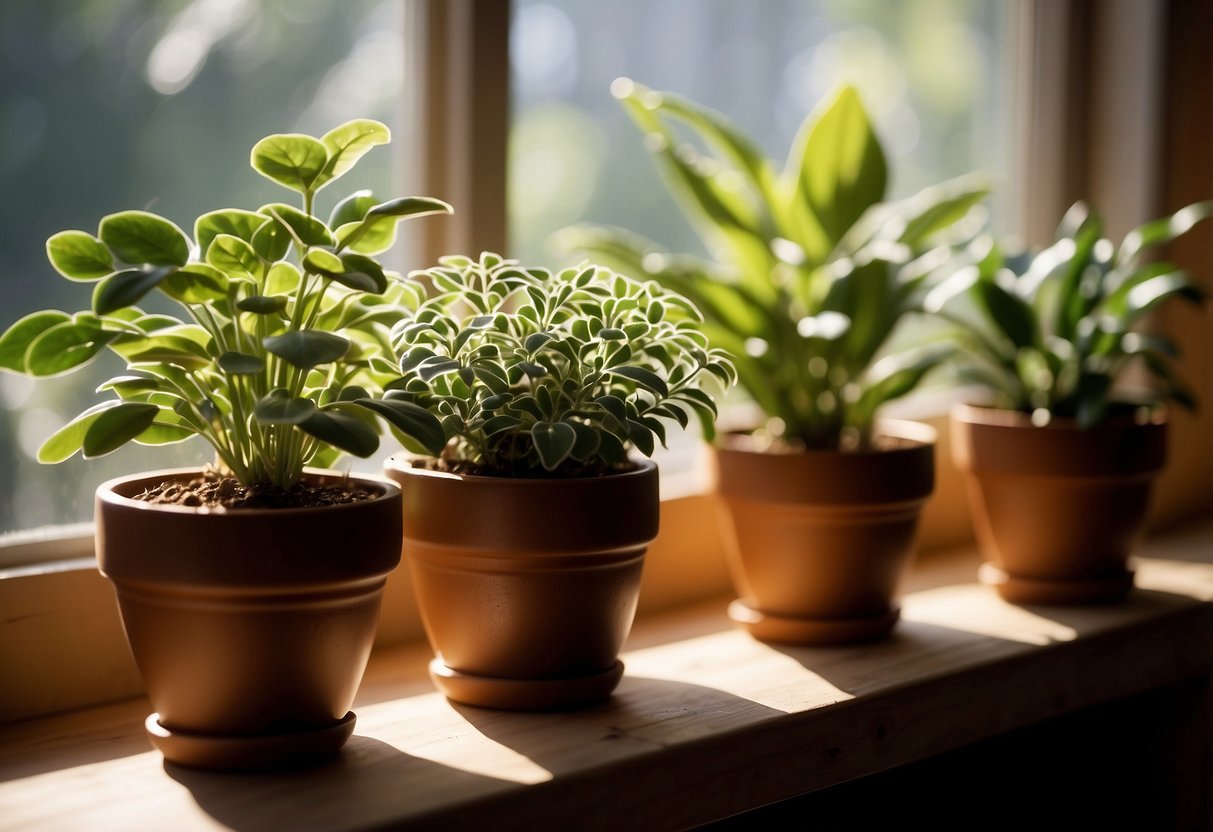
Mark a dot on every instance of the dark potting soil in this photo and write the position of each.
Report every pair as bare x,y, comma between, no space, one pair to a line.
225,492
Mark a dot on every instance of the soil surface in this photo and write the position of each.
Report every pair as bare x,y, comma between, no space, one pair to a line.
225,492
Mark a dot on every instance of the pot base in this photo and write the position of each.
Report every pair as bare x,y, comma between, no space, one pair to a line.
249,753
780,629
1108,589
525,694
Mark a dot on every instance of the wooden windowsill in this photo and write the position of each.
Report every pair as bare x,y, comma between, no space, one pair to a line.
706,723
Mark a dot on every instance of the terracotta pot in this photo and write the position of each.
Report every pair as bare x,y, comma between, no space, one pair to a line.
818,540
251,627
526,587
1057,510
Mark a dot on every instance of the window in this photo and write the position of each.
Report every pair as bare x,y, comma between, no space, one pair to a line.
936,78
152,104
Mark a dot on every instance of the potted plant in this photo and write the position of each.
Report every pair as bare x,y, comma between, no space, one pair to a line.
525,519
1060,459
812,274
249,590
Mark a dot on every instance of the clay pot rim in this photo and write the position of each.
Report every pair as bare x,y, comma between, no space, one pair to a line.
918,434
1001,417
402,463
107,492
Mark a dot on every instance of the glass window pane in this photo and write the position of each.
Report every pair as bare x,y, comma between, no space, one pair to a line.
155,104
935,76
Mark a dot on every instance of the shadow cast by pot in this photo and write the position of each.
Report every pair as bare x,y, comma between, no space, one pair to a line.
644,714
370,784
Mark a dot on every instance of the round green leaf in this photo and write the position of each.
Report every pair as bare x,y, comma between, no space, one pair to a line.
234,256
144,238
196,283
78,255
281,410
283,279
116,426
290,159
241,363
233,221
64,346
16,340
307,348
322,261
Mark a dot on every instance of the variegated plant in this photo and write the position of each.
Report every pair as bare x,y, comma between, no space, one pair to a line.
812,271
270,362
1051,334
525,372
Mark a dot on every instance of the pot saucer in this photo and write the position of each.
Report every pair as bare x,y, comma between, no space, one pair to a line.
249,752
1016,589
525,694
782,629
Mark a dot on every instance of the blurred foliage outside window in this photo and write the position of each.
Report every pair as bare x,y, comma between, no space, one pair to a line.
107,105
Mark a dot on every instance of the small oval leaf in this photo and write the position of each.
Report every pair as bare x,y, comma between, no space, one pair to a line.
308,348
140,237
78,255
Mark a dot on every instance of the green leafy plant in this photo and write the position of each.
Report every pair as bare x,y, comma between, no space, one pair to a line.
812,270
283,311
523,372
1051,334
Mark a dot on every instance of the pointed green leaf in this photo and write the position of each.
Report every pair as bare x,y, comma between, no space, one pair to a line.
341,430
554,442
306,229
293,160
78,255
841,170
116,426
123,289
307,348
1010,314
376,231
641,437
644,377
347,144
412,420
69,439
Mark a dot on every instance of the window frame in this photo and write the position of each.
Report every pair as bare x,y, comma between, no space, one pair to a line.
461,106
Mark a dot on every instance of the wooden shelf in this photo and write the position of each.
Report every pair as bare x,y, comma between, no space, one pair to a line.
707,722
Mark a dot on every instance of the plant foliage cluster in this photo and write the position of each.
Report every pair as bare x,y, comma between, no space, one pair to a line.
1051,334
283,311
528,372
813,270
